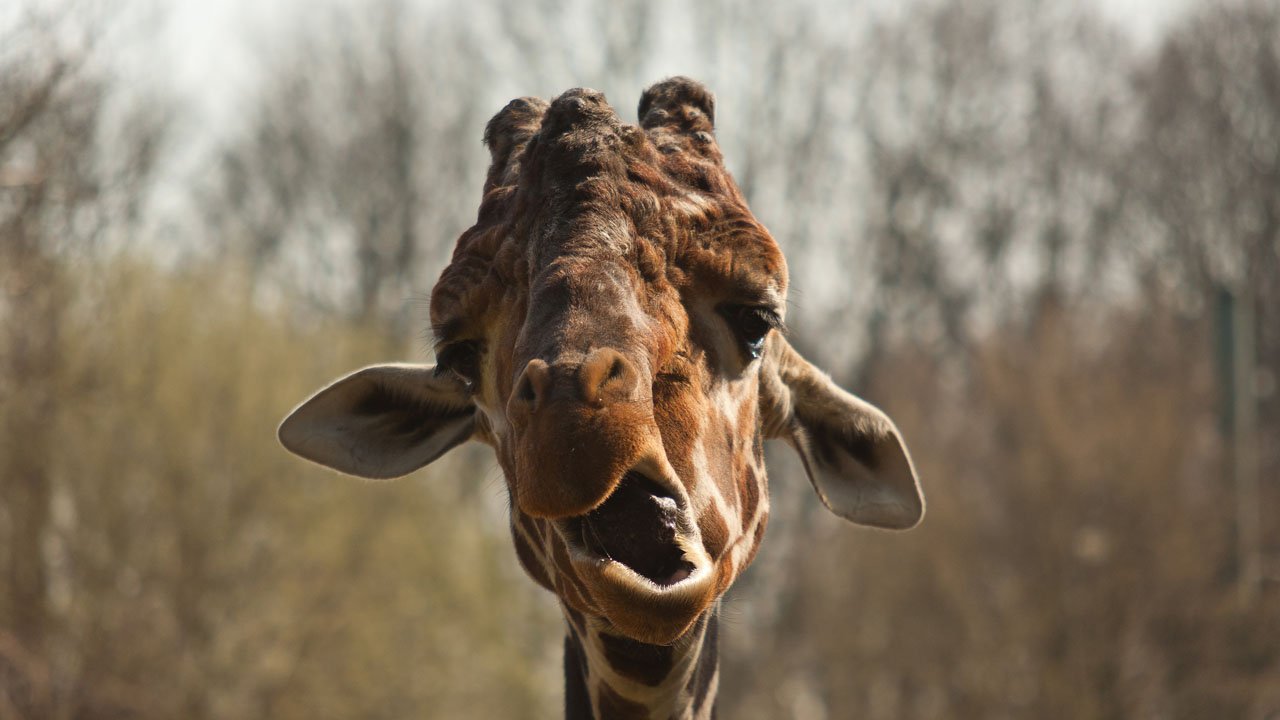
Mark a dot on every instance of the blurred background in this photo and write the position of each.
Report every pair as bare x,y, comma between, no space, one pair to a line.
1045,236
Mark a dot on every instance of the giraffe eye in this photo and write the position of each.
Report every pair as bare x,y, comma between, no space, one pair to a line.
460,359
751,323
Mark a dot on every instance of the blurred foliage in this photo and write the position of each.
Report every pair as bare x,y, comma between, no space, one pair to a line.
1006,225
185,545
1077,558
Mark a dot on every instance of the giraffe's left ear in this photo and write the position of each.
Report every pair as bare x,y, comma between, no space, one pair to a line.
854,455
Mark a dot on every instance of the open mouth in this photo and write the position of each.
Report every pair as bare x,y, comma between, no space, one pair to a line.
640,557
638,526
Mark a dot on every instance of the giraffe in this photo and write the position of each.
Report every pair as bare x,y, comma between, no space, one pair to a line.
613,327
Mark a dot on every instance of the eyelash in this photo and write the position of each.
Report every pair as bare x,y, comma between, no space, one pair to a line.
751,324
460,359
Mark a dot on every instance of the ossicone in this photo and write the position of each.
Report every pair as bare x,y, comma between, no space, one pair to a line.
508,131
679,103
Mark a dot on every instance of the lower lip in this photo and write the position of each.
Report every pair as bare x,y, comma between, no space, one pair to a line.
678,576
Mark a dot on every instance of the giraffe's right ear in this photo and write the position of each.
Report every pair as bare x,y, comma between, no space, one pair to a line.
853,453
381,422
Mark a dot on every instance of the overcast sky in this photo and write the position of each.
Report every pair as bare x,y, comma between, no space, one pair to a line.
208,46
208,56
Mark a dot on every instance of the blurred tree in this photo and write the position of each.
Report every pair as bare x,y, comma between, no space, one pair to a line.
353,174
1078,548
1033,213
262,587
60,190
1208,173
992,131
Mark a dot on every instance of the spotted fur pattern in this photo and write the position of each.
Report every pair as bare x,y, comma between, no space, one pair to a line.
611,326
595,234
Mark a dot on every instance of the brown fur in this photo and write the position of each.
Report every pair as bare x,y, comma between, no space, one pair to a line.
595,234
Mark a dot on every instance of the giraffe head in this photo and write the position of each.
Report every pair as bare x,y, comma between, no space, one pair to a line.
612,327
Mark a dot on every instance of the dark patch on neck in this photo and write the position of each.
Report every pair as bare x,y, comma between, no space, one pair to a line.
576,620
577,701
644,663
615,707
530,560
708,662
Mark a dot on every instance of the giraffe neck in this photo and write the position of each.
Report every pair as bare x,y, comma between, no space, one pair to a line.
608,677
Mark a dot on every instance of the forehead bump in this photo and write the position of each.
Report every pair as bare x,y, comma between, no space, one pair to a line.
578,109
678,104
506,135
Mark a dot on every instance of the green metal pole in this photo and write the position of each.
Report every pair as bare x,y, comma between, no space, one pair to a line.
1245,448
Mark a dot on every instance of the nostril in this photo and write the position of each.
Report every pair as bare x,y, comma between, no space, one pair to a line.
525,391
532,385
617,370
607,376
